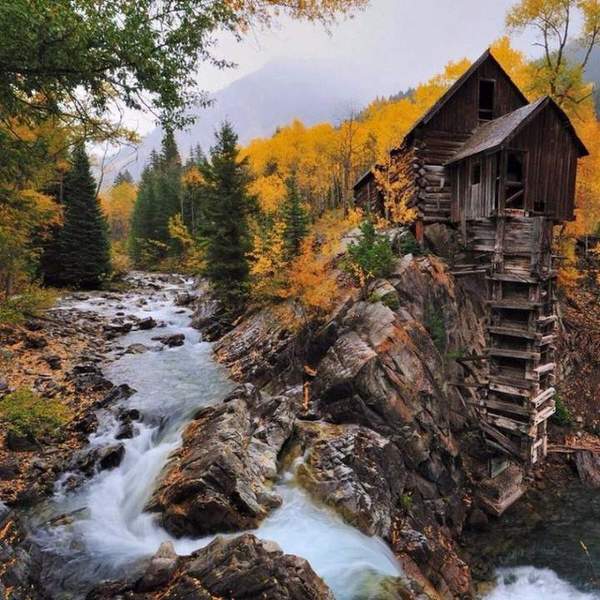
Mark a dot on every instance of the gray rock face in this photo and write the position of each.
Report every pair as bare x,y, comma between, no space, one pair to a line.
255,350
221,477
244,568
383,449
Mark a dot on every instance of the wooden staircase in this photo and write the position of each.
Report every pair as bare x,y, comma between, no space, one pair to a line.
521,333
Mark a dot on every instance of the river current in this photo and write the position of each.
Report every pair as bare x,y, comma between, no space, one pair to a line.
107,533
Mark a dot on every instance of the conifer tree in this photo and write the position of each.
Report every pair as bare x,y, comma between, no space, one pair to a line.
159,199
295,219
226,209
142,217
84,245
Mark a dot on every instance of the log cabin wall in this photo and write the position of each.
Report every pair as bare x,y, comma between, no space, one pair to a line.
367,195
432,150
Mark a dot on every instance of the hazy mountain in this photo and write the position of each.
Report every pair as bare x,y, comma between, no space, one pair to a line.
260,102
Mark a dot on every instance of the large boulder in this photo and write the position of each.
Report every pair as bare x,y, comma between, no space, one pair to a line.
221,477
588,468
354,470
244,568
256,349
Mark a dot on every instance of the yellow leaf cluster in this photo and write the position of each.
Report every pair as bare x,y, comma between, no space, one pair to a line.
311,281
269,268
118,205
191,259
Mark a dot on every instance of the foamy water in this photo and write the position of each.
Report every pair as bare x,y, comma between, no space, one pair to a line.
529,583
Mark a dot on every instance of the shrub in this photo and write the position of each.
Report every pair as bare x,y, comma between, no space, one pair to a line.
562,416
369,258
408,245
15,309
28,415
406,502
435,325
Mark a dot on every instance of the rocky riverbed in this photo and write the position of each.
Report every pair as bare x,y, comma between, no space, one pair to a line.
335,463
110,513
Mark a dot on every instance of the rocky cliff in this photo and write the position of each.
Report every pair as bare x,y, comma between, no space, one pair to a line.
385,435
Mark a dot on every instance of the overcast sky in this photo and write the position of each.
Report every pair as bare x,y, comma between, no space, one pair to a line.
394,43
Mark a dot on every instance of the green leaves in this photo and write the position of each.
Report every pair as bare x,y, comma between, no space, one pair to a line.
159,199
369,258
295,218
227,205
134,52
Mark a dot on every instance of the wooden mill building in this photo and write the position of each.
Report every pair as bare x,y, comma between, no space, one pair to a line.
502,172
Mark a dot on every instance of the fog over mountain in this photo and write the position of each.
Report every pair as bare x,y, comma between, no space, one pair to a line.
260,102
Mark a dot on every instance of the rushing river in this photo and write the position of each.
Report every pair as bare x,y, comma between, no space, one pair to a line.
107,531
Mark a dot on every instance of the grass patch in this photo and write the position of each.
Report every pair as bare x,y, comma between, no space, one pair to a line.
408,245
30,416
435,325
16,309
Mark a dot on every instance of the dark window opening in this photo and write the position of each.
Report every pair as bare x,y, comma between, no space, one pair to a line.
515,183
487,89
476,173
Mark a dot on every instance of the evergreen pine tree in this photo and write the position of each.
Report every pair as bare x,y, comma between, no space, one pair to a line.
295,219
142,218
84,245
159,198
226,206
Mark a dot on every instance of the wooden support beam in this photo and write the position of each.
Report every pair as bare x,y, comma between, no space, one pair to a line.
508,407
468,272
508,423
512,381
547,320
512,277
520,354
545,395
544,368
513,332
509,389
514,304
544,414
501,439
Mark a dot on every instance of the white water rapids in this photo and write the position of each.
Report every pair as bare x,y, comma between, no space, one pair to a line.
109,532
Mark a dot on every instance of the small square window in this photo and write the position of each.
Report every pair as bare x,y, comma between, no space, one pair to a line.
476,173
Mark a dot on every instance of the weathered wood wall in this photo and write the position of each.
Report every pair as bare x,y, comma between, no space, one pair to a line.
550,165
460,114
473,202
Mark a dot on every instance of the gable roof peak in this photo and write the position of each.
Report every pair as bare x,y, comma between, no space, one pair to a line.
449,93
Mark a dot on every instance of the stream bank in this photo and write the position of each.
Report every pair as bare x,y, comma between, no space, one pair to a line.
95,527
